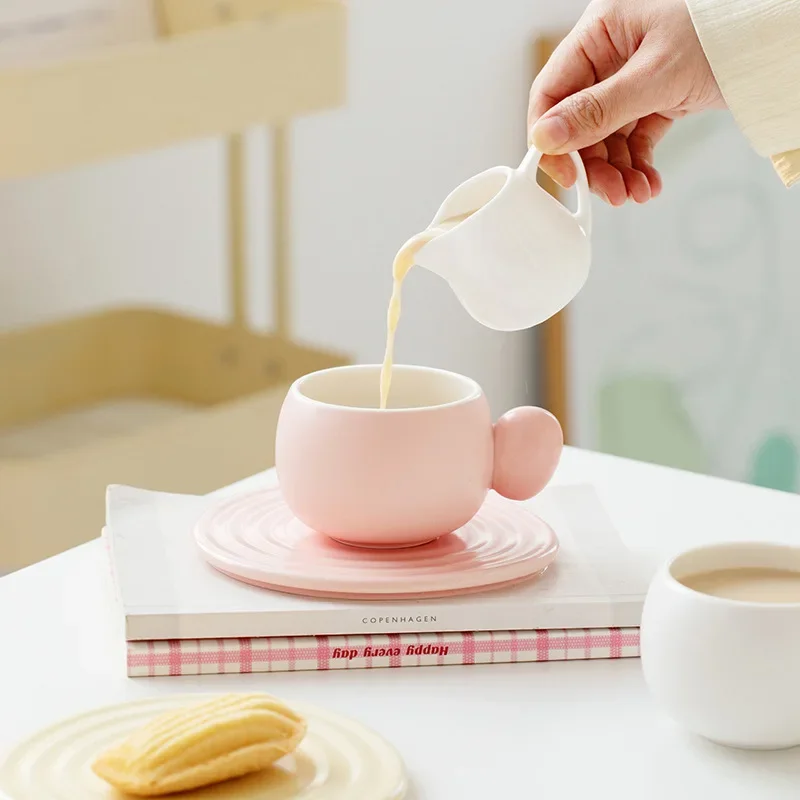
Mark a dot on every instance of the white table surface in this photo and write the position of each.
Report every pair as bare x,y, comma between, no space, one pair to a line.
558,730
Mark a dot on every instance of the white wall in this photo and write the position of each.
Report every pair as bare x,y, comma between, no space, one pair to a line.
437,92
685,341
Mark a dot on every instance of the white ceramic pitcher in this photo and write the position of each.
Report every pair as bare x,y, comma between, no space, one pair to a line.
522,256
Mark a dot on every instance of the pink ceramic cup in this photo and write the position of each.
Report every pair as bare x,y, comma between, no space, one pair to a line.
411,473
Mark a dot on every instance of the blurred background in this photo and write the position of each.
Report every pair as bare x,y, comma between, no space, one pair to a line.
681,350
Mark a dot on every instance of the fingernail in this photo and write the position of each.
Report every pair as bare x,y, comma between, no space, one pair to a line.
549,134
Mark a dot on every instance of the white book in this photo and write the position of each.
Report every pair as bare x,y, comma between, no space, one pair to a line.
168,591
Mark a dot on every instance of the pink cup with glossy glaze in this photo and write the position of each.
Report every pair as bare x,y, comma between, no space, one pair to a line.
410,473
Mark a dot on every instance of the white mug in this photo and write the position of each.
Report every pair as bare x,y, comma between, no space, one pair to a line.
728,670
522,256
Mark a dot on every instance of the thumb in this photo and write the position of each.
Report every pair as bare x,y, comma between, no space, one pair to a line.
589,116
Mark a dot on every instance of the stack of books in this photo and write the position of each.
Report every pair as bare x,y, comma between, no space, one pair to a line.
182,617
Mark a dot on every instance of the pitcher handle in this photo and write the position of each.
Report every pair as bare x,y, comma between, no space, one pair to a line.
583,214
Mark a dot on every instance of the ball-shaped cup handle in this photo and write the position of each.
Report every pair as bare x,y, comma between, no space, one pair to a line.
527,447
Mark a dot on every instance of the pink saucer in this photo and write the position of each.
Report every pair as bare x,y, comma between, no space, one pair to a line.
255,538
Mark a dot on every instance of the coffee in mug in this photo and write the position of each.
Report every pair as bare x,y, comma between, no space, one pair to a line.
720,642
751,584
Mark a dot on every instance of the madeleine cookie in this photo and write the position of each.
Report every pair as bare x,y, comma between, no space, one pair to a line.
201,744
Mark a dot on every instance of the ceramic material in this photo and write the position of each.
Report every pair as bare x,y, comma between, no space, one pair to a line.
255,538
339,759
405,475
522,256
725,669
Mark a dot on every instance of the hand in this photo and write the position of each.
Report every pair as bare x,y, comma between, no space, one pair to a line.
612,89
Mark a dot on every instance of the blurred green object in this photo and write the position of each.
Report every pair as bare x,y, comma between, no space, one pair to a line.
775,463
643,417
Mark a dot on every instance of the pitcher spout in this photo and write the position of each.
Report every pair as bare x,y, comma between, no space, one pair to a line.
438,248
431,253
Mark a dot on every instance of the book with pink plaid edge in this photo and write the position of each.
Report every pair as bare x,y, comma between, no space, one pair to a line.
176,606
288,654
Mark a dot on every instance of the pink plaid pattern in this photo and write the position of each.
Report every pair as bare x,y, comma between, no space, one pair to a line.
216,656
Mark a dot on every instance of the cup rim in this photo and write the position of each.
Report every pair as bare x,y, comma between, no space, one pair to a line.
473,390
727,546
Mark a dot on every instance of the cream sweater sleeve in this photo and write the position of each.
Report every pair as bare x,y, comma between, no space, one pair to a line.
753,47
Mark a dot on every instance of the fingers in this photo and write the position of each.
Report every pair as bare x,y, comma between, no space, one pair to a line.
568,70
649,131
588,54
560,169
606,181
642,141
591,114
618,168
653,177
602,182
636,184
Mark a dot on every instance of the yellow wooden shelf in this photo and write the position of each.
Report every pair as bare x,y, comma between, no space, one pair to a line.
135,396
281,60
141,395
